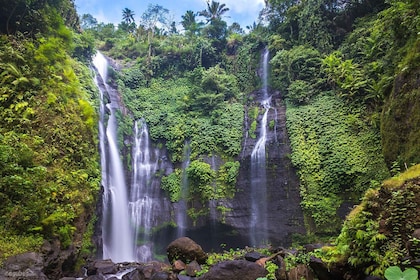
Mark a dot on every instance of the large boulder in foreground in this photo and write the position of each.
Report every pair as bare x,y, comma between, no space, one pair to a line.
23,266
186,250
235,270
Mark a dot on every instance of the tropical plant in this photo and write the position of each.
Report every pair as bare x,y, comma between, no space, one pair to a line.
395,273
214,11
190,23
128,15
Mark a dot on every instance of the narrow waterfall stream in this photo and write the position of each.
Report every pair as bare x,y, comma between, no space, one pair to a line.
143,197
258,219
181,208
117,235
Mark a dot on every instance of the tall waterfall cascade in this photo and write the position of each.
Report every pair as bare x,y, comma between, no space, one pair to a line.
117,234
137,216
144,198
258,219
133,203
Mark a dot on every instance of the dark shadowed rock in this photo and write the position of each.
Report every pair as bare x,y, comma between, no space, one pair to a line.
22,267
136,274
185,249
235,270
299,272
323,272
192,268
152,268
95,277
178,266
185,277
102,267
253,256
281,273
160,276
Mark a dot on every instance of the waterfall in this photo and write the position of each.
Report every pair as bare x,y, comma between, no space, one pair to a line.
258,223
181,209
144,195
116,232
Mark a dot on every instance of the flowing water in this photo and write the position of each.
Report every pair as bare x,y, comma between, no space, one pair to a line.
181,207
144,198
116,231
258,222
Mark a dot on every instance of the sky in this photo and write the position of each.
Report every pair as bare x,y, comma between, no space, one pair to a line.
245,12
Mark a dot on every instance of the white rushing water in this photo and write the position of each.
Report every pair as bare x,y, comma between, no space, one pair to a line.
117,235
258,223
144,195
181,207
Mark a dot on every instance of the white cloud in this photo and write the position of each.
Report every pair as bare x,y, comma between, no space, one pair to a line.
244,6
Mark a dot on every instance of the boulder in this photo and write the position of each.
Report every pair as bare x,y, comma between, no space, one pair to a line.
253,256
324,272
235,270
96,277
136,274
152,268
299,272
160,276
281,273
187,250
102,267
178,266
23,266
192,268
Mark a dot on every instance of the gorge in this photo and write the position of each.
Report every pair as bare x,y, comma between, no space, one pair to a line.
137,213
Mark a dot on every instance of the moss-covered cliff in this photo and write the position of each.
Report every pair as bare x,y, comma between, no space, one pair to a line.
49,171
383,230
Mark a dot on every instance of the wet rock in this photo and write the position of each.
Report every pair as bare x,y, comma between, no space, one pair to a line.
152,268
235,270
312,247
185,277
96,277
416,233
187,250
253,256
102,267
322,271
299,272
281,273
192,268
134,275
23,266
178,266
160,276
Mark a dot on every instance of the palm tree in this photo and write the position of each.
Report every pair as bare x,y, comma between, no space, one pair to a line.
215,10
190,24
128,15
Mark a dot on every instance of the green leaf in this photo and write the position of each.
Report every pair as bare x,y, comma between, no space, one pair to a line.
410,274
395,273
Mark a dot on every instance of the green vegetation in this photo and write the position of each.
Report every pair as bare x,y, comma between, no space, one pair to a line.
49,173
377,234
347,71
348,75
395,273
336,154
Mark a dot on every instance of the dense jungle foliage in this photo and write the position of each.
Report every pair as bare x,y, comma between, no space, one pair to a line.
347,70
49,172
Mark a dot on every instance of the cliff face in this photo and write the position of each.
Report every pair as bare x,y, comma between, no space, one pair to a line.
284,215
400,120
386,222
